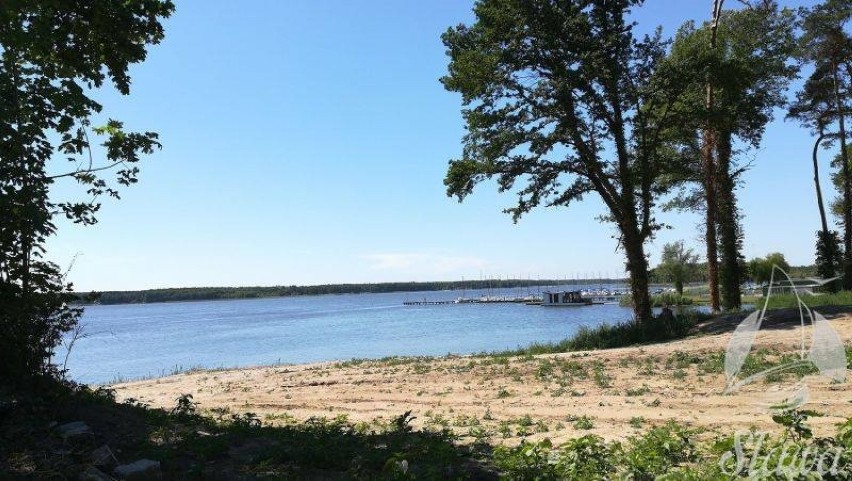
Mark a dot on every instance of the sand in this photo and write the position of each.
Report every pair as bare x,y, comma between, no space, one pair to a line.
613,393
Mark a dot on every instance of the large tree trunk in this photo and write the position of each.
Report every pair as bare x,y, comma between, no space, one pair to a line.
822,218
729,229
709,165
637,267
847,187
826,261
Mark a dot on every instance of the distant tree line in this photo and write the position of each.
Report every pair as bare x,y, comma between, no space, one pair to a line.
679,266
214,293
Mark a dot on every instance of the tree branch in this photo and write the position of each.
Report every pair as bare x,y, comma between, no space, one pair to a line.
86,171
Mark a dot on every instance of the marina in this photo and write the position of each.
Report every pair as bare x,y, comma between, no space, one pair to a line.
586,297
478,300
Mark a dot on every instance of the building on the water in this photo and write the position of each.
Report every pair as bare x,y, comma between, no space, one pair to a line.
564,298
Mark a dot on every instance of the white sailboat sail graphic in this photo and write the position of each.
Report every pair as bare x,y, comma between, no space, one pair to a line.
826,350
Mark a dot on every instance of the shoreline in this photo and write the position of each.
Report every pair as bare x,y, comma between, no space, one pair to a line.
613,393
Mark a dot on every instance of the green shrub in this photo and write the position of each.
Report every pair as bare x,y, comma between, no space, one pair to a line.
528,461
185,407
602,379
245,421
656,452
660,300
584,458
637,421
639,391
584,423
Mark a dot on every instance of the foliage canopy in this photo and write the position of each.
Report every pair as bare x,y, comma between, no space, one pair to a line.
557,97
52,56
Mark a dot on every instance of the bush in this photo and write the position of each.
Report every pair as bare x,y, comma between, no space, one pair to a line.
657,452
587,457
528,461
664,299
829,258
33,322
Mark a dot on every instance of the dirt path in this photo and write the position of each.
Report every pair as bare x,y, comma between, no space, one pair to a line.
614,393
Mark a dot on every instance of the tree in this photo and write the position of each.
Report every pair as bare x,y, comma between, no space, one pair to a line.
556,95
760,268
737,69
826,44
815,108
677,264
52,55
829,256
709,167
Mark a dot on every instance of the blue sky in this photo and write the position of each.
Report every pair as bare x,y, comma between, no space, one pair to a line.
305,142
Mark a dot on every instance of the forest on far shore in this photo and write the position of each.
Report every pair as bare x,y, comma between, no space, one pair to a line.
213,293
217,293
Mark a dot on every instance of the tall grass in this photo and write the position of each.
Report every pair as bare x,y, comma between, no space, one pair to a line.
661,300
781,301
607,336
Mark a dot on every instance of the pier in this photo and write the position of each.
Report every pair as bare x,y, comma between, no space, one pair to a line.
589,298
477,300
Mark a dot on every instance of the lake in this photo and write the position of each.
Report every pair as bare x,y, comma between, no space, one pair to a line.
138,340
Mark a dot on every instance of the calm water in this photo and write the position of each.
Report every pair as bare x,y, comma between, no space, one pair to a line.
132,341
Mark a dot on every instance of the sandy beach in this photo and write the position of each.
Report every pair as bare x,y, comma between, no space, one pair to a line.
612,393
